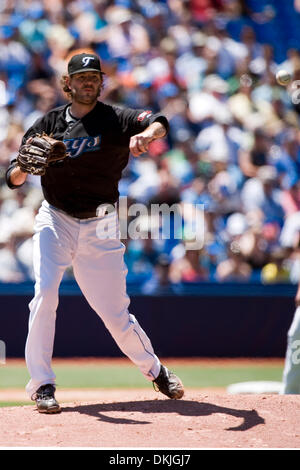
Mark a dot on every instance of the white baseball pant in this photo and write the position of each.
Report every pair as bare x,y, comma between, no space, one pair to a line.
98,264
291,371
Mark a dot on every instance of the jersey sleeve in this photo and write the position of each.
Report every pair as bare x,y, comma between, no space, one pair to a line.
134,121
12,165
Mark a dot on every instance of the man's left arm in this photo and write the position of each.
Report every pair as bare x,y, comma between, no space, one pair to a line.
139,143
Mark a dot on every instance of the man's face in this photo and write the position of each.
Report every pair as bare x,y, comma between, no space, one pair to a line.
85,87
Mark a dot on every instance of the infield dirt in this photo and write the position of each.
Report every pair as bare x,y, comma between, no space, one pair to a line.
143,419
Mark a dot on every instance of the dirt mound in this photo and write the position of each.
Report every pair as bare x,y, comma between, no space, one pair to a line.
142,419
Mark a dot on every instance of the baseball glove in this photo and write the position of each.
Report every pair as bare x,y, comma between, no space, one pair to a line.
38,152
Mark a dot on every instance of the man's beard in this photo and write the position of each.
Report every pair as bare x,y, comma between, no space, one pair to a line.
82,98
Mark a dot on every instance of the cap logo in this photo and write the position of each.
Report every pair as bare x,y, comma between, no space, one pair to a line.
86,60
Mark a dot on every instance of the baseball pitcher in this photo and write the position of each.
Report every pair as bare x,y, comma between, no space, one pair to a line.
79,150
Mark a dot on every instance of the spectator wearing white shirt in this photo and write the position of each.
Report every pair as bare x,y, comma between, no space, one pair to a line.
261,193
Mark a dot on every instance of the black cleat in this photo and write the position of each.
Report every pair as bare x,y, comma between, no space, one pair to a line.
169,384
45,399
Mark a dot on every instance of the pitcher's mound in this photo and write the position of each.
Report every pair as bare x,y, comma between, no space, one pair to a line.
145,419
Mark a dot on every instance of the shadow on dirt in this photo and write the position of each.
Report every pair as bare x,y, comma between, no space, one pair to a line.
183,407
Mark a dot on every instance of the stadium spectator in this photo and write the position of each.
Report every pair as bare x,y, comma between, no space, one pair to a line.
290,199
250,160
276,271
188,268
234,268
262,192
233,145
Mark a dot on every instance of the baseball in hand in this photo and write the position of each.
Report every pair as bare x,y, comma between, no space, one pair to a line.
283,77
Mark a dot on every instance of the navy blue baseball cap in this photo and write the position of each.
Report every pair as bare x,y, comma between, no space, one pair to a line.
84,62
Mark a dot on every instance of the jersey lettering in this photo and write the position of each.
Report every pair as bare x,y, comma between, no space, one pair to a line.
79,145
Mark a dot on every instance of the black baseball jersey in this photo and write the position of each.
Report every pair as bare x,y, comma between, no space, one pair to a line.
98,149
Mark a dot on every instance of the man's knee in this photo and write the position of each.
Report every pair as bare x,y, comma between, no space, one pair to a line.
119,324
46,293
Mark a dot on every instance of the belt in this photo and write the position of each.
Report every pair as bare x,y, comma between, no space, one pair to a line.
101,211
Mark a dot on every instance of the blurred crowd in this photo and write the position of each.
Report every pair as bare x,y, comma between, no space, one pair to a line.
233,146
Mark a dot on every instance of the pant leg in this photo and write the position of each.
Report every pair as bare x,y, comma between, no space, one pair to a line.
51,256
291,373
100,271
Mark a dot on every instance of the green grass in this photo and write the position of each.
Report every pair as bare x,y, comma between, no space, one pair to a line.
14,403
128,376
222,377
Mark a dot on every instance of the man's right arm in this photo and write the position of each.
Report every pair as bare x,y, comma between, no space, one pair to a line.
15,177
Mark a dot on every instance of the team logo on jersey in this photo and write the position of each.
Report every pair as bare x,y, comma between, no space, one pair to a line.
86,60
79,145
143,115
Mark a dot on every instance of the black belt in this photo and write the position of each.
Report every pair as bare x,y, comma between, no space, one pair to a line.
103,211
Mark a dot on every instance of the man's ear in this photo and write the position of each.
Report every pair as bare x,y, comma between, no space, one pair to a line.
68,81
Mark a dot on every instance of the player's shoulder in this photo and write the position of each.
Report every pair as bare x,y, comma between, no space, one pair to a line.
109,109
57,111
112,109
51,116
112,114
46,123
